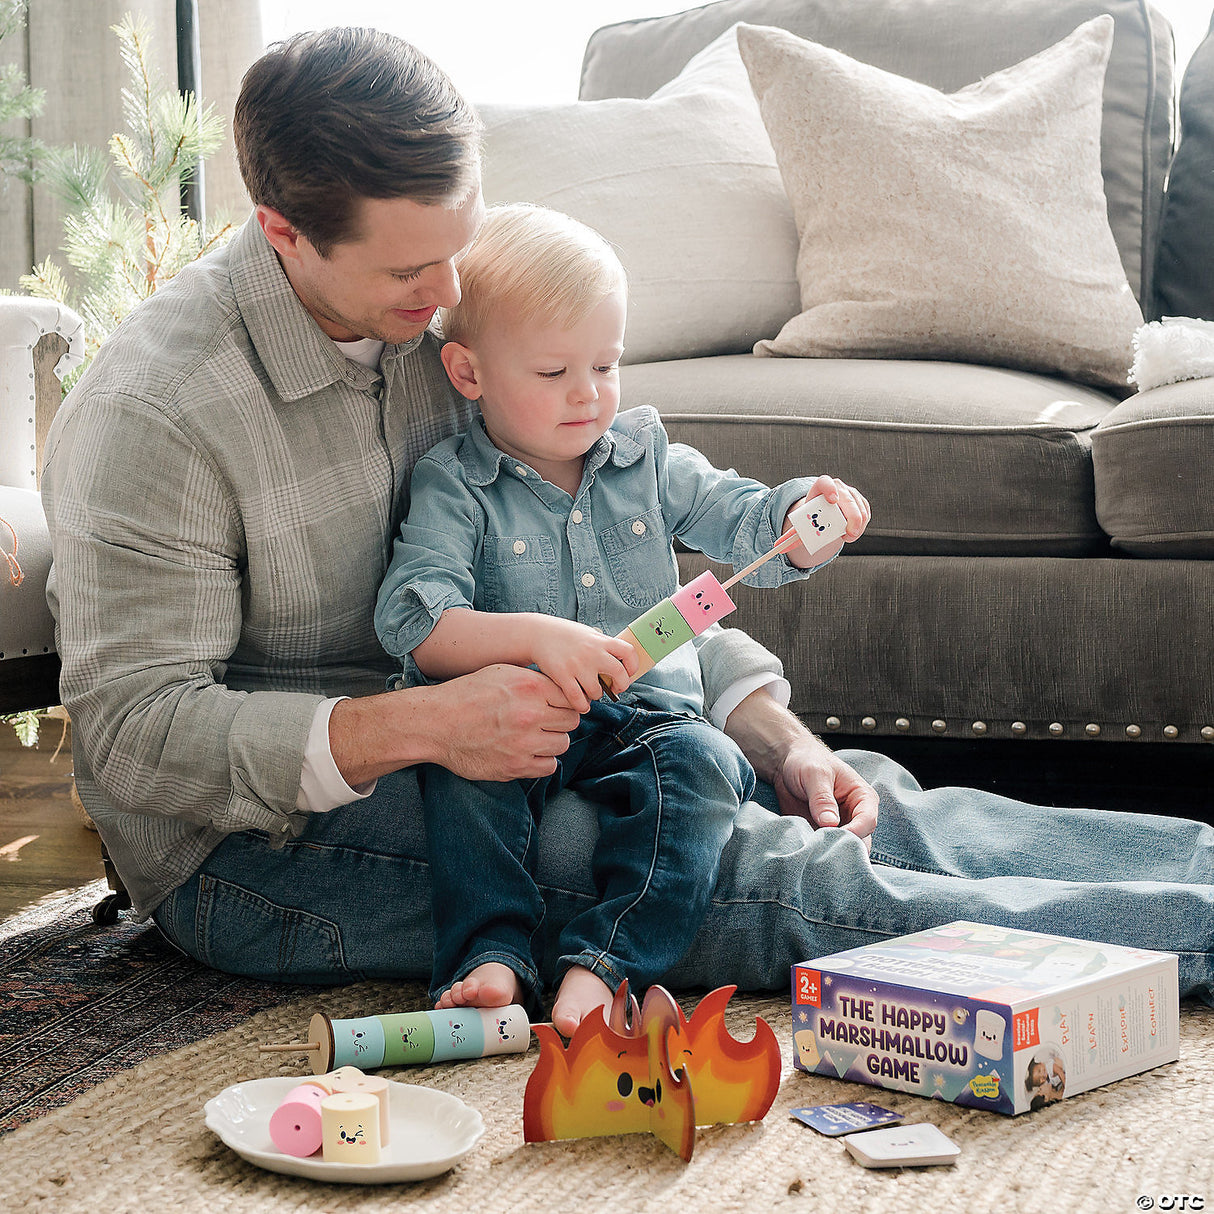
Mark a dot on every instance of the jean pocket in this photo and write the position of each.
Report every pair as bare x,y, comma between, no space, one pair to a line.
240,932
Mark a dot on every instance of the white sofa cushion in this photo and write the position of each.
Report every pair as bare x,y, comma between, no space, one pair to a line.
684,184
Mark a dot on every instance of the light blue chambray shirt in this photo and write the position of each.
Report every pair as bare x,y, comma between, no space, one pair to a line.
486,531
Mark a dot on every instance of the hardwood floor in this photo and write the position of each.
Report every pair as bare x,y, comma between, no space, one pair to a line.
44,845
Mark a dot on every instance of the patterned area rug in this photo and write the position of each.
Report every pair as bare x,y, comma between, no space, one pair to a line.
80,1003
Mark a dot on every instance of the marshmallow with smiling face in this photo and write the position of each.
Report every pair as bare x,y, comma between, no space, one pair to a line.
350,1128
703,601
817,523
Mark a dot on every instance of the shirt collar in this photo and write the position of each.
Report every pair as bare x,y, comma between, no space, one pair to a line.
483,462
298,357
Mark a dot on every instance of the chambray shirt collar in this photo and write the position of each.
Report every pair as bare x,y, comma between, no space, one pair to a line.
483,462
298,357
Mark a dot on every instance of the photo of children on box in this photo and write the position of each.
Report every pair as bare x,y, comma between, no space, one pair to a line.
988,1017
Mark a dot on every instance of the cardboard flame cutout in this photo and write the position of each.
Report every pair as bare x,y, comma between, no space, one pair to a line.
651,1069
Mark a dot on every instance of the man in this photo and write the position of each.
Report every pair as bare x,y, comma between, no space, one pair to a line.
221,490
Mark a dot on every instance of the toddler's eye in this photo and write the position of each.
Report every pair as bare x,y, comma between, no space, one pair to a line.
551,374
607,369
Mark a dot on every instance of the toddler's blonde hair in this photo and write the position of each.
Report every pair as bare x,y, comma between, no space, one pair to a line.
539,265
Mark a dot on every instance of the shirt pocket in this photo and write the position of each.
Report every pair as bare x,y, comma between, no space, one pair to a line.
640,559
519,573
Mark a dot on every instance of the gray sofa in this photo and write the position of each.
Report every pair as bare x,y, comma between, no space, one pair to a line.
1038,563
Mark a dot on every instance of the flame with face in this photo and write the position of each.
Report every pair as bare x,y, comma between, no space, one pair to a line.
650,1069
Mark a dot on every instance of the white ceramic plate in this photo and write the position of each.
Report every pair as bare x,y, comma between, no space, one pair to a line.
429,1133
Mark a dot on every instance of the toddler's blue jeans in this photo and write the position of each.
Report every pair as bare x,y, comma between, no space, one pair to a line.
666,788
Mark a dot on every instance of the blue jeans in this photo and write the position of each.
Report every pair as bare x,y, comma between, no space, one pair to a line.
667,788
350,899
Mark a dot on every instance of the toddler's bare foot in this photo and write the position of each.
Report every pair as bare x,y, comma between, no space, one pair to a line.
490,985
580,993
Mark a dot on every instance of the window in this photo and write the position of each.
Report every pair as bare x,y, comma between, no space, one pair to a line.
531,51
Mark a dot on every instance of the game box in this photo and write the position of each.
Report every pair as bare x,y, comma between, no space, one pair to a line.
985,1016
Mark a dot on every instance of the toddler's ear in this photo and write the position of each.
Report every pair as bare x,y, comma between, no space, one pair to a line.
461,369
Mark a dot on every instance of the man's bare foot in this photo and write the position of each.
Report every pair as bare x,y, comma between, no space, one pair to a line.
490,985
580,993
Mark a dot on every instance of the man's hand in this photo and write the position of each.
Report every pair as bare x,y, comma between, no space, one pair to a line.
499,723
811,781
509,724
814,783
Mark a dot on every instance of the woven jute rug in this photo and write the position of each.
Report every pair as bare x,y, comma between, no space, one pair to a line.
138,1142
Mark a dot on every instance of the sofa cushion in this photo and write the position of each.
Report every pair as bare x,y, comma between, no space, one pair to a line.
1151,460
967,225
683,184
1184,273
954,458
947,44
26,625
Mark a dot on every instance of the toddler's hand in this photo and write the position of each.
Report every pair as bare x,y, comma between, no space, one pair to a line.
851,502
574,655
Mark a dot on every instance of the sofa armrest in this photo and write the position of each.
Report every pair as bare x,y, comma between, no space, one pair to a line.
40,341
1154,495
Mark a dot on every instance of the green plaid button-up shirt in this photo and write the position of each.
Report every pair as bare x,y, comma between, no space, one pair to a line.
222,488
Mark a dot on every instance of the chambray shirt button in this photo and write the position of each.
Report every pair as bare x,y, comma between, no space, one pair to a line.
587,579
638,528
576,517
520,469
519,547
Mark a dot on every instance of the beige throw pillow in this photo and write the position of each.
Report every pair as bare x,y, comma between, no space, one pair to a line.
684,184
968,226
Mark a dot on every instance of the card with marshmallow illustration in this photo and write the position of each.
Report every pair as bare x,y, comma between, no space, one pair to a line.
818,522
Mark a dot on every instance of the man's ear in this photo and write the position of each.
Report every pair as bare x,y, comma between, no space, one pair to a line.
280,232
460,365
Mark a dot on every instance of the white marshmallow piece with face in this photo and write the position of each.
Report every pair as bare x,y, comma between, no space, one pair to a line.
818,523
988,1033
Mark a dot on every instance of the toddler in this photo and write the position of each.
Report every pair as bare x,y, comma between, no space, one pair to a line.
533,539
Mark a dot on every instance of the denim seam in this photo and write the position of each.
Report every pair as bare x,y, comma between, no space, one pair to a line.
653,855
880,933
903,866
600,964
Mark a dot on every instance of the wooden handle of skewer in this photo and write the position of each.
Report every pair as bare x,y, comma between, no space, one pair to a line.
788,540
303,1047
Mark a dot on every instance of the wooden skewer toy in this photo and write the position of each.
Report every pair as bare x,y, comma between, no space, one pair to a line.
704,600
411,1038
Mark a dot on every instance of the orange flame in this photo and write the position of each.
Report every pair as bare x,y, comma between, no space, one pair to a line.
650,1069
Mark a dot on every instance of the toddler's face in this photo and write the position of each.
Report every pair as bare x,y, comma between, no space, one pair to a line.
549,394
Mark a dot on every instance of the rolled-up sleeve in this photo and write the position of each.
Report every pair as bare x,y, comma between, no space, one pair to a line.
432,558
146,588
728,517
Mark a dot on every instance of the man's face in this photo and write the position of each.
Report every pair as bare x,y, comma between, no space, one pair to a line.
387,281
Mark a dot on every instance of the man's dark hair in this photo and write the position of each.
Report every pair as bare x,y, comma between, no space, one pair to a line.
327,118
